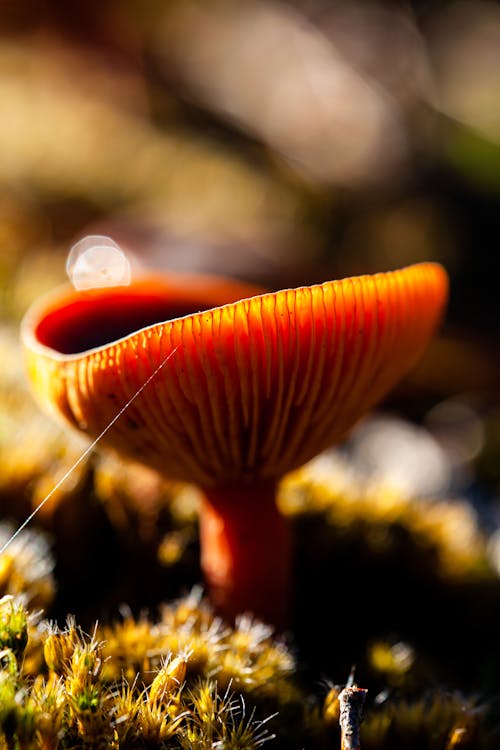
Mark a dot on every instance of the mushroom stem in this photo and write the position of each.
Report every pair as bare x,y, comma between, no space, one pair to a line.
246,552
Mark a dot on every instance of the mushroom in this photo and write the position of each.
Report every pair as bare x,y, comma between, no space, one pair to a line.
246,387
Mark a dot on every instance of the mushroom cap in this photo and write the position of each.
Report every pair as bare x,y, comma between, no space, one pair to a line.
247,390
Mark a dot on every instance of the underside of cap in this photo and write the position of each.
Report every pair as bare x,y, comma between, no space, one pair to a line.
247,391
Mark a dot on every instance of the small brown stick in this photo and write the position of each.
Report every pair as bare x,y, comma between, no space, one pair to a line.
351,701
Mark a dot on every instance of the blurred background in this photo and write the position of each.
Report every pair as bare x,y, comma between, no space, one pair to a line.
284,143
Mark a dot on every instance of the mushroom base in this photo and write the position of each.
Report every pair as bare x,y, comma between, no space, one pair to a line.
246,553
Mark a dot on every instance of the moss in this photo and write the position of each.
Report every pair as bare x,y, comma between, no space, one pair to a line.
400,587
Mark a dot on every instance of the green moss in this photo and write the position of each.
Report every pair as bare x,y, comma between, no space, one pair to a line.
378,576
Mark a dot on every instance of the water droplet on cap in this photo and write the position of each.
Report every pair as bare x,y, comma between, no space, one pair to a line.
97,261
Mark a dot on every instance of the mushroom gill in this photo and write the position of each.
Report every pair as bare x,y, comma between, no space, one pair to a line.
249,386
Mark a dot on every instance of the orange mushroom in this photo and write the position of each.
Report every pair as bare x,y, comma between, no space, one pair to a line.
249,388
